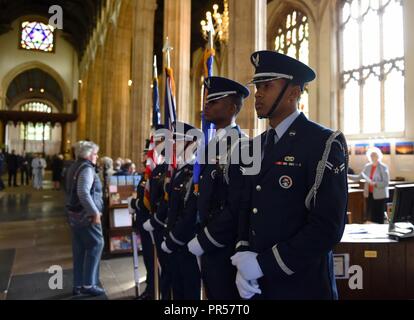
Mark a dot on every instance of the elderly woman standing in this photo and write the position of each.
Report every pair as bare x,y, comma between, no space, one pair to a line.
377,178
84,206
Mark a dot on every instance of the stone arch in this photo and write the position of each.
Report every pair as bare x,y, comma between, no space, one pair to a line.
13,73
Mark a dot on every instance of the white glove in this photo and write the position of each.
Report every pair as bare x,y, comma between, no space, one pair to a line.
148,226
195,248
247,264
131,211
247,289
165,248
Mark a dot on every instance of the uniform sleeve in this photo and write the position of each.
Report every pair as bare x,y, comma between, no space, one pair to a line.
185,228
222,230
159,217
325,223
242,243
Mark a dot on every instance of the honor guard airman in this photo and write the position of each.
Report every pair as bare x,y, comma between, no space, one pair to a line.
141,215
295,209
159,207
181,222
220,188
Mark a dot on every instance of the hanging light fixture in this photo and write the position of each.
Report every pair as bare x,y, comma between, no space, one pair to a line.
219,22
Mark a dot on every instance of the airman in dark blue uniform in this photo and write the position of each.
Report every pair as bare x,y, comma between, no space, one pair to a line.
295,209
141,215
156,225
181,222
220,188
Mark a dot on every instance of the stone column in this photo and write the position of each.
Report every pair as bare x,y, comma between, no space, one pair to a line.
107,93
2,133
120,103
247,33
142,57
177,26
96,101
82,109
64,138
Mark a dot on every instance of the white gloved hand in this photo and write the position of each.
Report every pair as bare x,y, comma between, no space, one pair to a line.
247,289
165,248
148,226
195,248
131,211
247,264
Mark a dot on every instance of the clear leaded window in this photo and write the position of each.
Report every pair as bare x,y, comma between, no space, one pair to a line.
37,36
35,132
292,39
372,67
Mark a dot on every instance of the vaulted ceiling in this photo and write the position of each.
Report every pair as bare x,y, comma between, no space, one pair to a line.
79,16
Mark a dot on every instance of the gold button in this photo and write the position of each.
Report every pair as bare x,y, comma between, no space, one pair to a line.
255,211
259,188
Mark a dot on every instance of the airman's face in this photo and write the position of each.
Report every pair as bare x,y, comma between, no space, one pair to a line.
219,110
266,95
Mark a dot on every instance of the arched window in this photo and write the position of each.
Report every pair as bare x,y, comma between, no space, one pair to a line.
37,36
35,132
372,67
292,39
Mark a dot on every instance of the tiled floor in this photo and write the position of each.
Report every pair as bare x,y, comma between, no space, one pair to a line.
33,223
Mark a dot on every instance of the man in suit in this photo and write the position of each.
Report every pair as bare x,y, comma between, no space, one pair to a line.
295,209
219,190
12,166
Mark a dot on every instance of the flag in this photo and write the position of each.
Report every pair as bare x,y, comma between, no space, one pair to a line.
206,126
151,154
156,114
170,120
150,165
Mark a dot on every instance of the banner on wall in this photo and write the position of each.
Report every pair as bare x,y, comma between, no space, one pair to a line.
385,147
361,149
404,148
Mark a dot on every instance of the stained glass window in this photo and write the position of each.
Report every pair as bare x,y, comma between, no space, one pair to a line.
36,131
373,67
292,39
37,36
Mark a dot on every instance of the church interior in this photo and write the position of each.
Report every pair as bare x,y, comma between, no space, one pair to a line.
84,70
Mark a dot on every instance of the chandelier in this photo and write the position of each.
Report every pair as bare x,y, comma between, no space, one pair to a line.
215,28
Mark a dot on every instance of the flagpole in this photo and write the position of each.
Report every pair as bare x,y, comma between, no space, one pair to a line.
210,47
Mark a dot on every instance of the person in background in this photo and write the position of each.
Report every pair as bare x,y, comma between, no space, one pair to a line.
118,164
24,170
107,169
12,166
84,206
57,168
38,167
126,170
377,179
134,169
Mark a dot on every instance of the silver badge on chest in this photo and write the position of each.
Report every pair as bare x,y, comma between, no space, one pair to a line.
286,182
